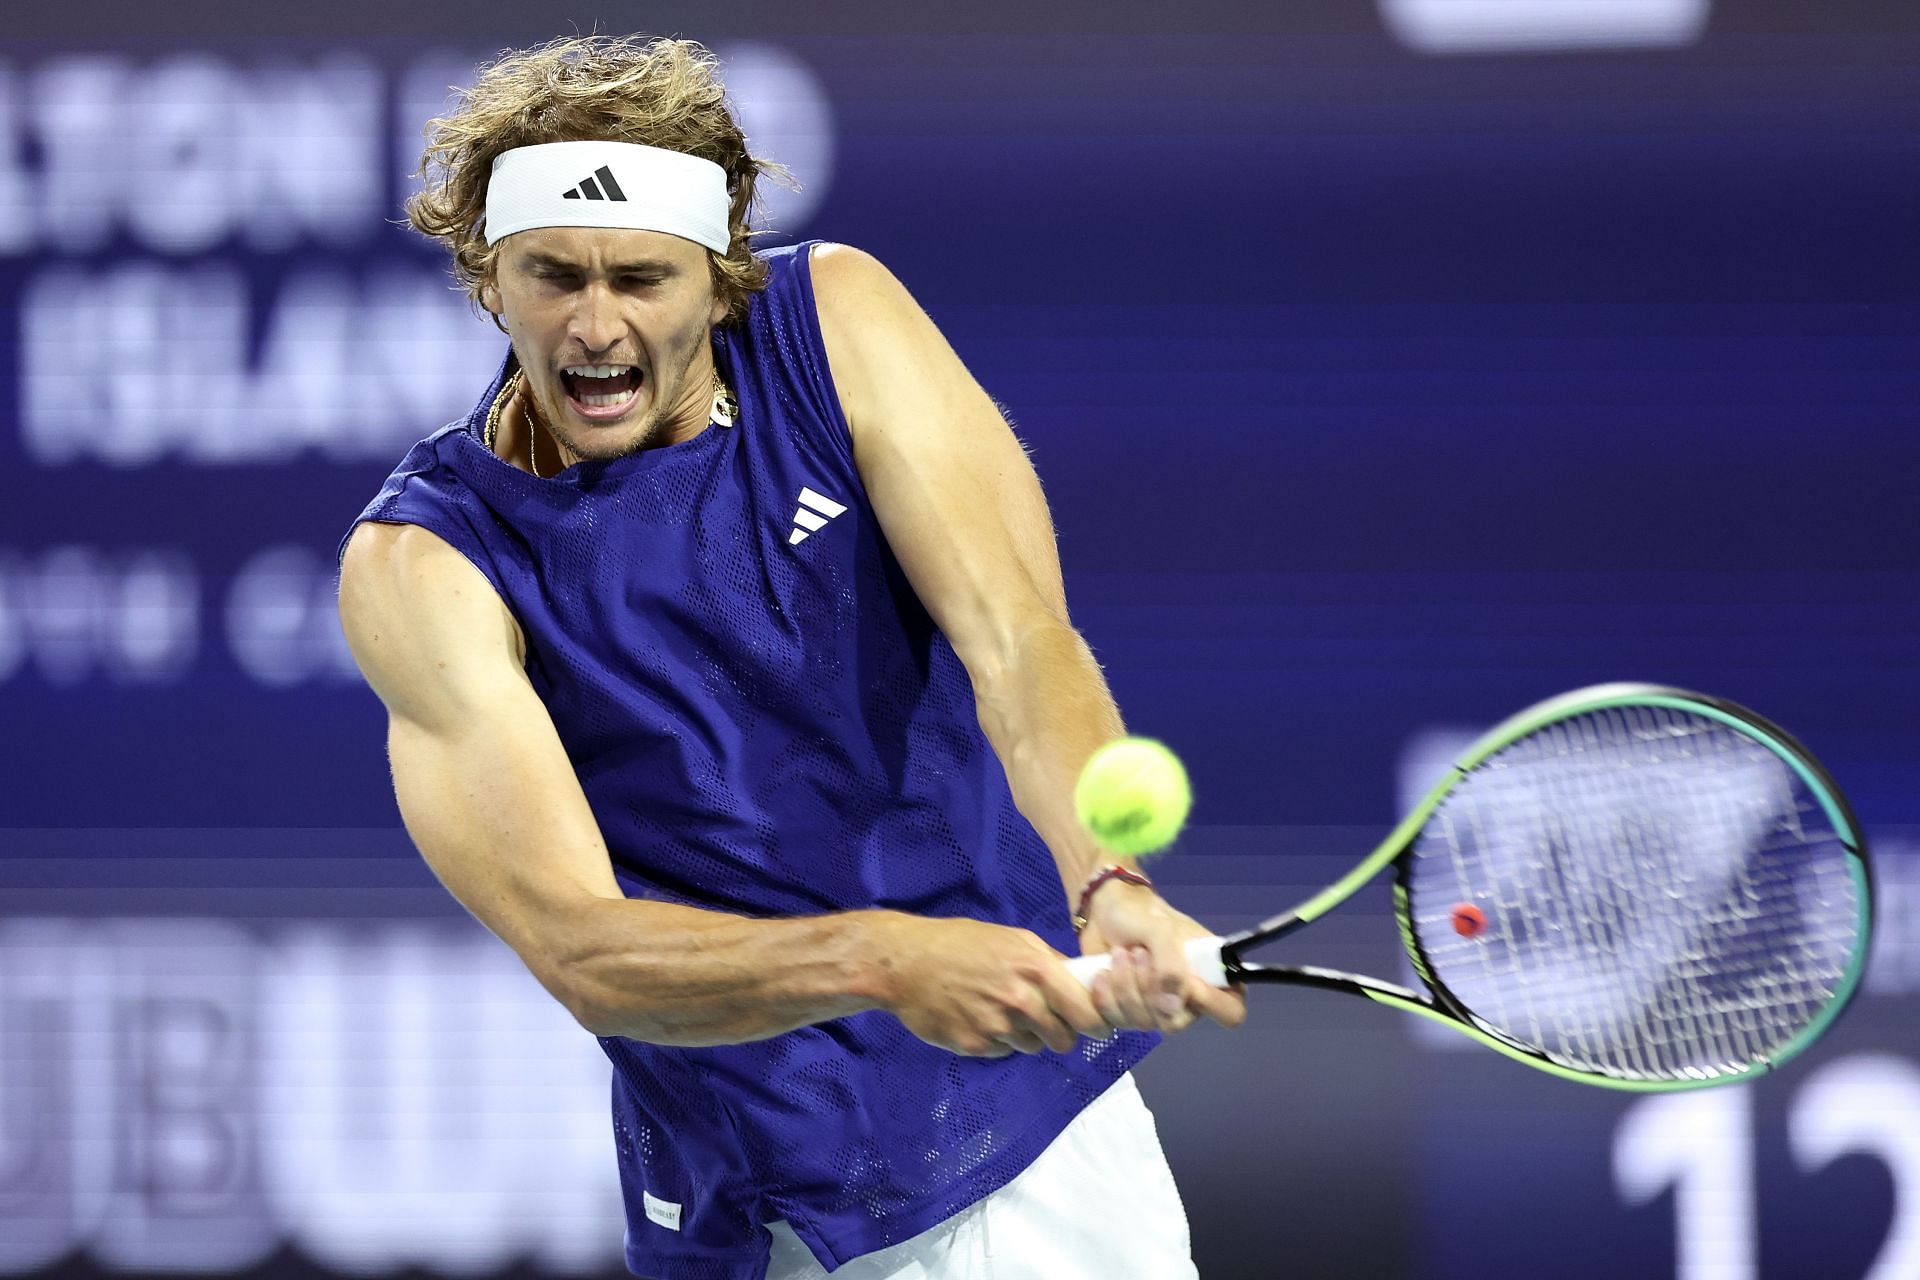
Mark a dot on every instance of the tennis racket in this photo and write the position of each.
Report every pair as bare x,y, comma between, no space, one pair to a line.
1628,885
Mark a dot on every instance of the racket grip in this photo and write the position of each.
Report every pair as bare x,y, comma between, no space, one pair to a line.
1203,957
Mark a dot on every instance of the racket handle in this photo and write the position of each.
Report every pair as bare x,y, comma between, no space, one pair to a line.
1203,957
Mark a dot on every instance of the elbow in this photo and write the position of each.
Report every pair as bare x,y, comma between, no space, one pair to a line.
994,653
610,1010
591,1003
624,1021
579,960
597,1017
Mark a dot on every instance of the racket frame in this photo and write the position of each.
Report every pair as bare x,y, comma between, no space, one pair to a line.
1439,1004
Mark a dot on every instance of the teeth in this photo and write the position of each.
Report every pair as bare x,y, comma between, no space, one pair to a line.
601,402
597,370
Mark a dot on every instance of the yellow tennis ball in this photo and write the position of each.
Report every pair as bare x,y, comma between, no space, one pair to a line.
1133,796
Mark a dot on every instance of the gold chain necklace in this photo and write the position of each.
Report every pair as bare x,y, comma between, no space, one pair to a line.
511,385
724,411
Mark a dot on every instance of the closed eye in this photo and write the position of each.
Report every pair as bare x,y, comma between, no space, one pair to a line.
572,280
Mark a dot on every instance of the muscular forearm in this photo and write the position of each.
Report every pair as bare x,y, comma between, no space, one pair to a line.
677,975
1046,709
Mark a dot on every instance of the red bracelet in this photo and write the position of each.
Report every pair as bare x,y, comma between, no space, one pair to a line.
1112,871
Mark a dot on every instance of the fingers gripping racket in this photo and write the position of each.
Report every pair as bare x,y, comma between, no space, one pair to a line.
1627,885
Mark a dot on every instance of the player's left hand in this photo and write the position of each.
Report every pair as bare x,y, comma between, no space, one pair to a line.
1150,987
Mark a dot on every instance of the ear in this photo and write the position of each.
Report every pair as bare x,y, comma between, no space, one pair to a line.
718,311
490,297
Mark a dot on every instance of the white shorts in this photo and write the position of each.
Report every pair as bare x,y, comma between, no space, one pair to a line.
1099,1204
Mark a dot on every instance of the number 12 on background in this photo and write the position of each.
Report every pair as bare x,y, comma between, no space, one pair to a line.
1701,1146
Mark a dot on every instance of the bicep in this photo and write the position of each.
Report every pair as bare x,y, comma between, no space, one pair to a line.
483,782
950,483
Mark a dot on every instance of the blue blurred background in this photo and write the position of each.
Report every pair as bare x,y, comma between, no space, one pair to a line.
1389,364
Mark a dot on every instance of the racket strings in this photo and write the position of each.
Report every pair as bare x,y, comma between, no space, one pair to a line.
1748,934
1665,896
1693,1011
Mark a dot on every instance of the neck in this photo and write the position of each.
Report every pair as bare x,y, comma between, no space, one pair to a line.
540,441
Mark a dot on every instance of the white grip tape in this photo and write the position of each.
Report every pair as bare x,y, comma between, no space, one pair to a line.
1203,957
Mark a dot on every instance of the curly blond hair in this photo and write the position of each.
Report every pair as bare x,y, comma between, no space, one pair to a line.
663,93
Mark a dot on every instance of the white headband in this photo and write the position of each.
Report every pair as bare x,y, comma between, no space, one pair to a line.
607,184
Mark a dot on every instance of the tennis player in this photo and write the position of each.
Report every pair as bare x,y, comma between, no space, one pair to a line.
731,683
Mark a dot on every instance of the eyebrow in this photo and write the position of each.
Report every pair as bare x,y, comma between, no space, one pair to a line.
546,261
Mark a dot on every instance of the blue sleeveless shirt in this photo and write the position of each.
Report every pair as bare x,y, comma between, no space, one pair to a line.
766,721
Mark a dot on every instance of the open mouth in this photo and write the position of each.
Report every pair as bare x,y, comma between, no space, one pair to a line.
601,391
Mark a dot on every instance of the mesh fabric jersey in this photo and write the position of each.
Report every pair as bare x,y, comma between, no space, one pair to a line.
771,725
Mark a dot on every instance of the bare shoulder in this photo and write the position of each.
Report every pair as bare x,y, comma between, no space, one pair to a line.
857,297
839,268
874,332
422,621
407,574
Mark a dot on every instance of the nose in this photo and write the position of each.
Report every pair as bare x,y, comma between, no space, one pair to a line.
597,323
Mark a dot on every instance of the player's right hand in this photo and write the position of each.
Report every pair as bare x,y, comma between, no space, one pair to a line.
981,989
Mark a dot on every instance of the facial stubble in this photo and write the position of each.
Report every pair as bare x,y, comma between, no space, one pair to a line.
653,426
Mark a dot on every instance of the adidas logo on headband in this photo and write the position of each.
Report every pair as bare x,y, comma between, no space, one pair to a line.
657,190
592,191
